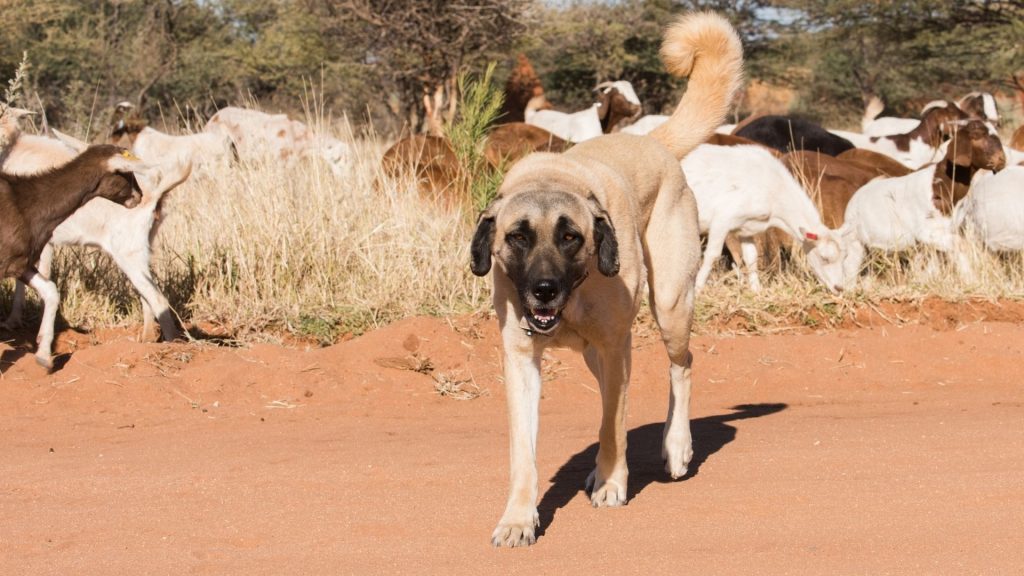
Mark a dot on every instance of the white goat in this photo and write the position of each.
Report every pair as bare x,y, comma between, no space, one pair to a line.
994,210
897,213
124,233
10,130
746,190
259,136
645,124
894,214
871,125
208,153
591,122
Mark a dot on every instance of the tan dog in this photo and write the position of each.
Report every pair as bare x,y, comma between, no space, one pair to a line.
574,236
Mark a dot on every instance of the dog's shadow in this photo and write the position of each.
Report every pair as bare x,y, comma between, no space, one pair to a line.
710,434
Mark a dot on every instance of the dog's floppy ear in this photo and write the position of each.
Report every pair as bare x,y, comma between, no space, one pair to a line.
604,239
607,246
483,243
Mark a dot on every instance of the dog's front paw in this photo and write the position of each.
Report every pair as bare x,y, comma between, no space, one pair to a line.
677,451
606,492
514,534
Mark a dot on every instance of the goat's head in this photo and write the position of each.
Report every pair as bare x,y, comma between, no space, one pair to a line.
616,102
12,114
972,148
125,132
9,126
119,183
537,103
826,256
975,147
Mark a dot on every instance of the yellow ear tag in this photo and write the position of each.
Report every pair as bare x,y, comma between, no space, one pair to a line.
128,155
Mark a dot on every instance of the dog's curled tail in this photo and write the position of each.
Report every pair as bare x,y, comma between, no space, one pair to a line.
703,46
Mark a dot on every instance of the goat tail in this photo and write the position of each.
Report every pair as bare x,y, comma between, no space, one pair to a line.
871,111
705,47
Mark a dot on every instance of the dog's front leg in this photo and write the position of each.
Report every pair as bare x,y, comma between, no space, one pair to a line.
607,483
518,524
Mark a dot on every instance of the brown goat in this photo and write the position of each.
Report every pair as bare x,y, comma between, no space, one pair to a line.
508,143
935,127
436,168
431,160
973,148
615,108
31,207
881,164
831,182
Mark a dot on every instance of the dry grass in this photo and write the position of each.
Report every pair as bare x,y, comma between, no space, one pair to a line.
271,250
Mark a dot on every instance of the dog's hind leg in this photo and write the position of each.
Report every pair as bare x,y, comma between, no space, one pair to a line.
673,255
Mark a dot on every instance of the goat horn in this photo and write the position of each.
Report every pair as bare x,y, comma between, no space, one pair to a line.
604,85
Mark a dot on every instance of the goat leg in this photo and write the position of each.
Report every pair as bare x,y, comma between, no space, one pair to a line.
47,291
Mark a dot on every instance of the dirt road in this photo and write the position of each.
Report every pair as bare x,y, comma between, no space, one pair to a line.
883,450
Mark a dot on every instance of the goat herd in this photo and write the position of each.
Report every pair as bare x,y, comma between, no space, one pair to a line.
60,191
898,183
834,194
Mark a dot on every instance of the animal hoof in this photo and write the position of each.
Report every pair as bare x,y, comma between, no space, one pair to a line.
46,362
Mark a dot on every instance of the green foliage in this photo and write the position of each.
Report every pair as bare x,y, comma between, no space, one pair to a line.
380,58
479,105
907,52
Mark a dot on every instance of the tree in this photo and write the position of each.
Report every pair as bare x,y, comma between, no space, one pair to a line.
580,44
908,51
419,47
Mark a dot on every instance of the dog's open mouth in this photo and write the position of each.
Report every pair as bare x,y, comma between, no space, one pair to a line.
542,319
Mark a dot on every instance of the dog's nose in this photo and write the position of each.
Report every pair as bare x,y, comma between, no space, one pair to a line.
545,290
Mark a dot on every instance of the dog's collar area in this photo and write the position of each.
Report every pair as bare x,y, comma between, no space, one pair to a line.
531,331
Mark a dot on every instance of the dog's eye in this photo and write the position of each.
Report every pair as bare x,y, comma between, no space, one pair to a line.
516,238
570,237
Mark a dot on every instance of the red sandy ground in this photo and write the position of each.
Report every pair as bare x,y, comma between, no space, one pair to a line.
874,450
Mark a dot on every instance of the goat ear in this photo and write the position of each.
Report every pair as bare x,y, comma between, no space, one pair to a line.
482,244
125,161
607,246
70,141
603,105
